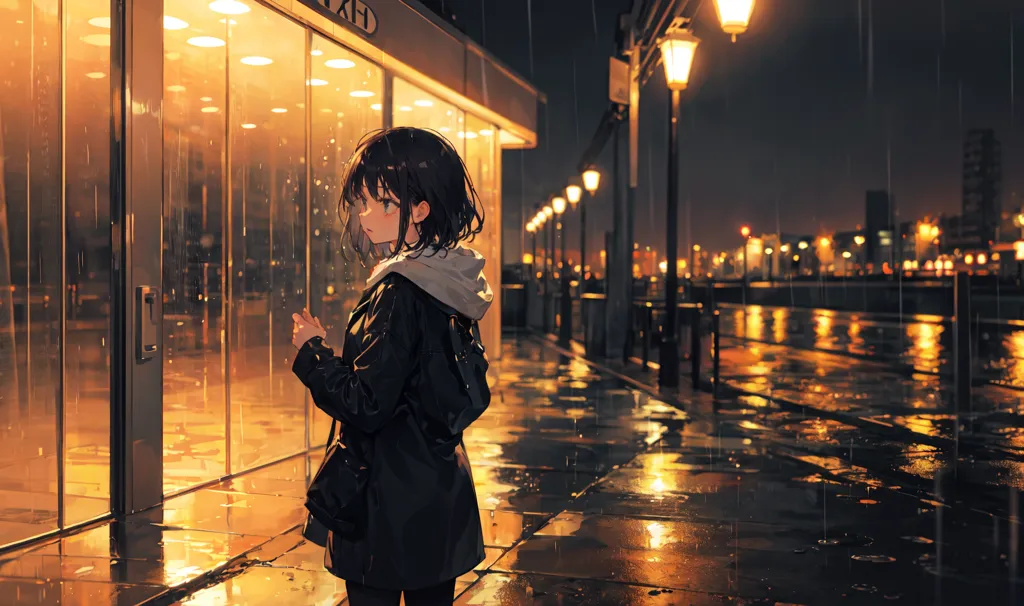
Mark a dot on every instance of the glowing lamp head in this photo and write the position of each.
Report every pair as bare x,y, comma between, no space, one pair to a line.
558,204
591,179
824,242
548,212
847,254
802,245
677,51
734,15
745,231
574,193
531,227
696,248
858,240
769,250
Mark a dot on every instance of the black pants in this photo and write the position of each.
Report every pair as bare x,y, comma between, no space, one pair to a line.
442,594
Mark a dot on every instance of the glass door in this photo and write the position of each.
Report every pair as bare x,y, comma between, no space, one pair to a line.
55,270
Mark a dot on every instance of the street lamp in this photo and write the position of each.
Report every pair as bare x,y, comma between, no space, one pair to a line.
558,204
531,228
575,193
768,252
734,15
677,52
591,180
549,253
745,232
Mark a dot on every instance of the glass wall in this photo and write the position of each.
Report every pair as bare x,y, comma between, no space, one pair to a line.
54,265
345,104
237,216
412,106
480,157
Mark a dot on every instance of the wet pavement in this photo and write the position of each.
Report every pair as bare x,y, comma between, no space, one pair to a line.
595,491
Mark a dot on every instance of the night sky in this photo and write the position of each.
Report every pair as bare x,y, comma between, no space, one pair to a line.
785,129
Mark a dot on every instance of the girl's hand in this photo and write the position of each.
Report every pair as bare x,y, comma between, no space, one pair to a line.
306,327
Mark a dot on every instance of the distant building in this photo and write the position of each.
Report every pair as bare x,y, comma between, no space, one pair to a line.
878,228
982,183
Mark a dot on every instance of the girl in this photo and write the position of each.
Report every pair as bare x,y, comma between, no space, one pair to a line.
408,203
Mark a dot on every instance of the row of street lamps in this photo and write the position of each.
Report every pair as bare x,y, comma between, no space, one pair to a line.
678,47
555,208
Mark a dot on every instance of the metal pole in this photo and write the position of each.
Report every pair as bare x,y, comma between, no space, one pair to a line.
668,375
565,326
546,320
583,248
716,359
962,342
695,315
618,263
746,248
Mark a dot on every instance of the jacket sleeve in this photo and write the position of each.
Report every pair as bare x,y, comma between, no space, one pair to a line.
366,393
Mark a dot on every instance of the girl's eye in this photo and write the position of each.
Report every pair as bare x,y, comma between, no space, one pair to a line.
388,206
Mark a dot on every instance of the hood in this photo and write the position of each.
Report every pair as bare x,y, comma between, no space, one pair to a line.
452,276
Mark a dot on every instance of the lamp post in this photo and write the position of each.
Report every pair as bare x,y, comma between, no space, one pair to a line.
565,326
549,249
591,180
531,228
745,232
574,193
768,253
677,51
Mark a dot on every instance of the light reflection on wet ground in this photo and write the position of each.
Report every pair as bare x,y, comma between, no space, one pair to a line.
593,493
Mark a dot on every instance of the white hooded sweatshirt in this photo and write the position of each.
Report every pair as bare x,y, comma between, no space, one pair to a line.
454,277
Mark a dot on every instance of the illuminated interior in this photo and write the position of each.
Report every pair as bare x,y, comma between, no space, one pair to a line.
260,116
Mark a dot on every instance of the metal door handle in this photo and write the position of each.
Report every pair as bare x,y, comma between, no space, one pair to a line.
147,322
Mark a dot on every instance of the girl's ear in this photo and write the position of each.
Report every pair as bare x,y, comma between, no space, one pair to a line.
420,211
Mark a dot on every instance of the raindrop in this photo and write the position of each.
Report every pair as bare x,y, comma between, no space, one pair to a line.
529,32
873,559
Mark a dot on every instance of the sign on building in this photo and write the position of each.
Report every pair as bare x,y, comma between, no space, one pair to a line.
354,13
618,81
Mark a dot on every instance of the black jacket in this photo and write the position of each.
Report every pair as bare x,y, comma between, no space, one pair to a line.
423,524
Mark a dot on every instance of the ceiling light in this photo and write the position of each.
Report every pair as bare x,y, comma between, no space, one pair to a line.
173,56
423,103
97,39
174,23
206,42
444,129
316,52
486,132
176,88
227,21
103,22
206,99
339,63
95,75
229,7
257,61
279,110
327,110
376,107
210,110
361,94
316,82
470,135
248,126
405,108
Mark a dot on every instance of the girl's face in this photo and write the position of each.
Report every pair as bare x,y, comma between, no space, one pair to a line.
380,219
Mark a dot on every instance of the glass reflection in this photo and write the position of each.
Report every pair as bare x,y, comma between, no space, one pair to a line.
195,394
479,141
87,303
30,266
342,112
268,234
413,106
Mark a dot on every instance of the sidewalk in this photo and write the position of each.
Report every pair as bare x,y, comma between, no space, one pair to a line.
592,492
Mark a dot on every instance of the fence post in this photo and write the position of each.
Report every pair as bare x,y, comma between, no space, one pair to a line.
962,341
646,321
695,316
716,331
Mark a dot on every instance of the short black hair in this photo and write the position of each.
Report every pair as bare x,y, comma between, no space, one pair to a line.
410,165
